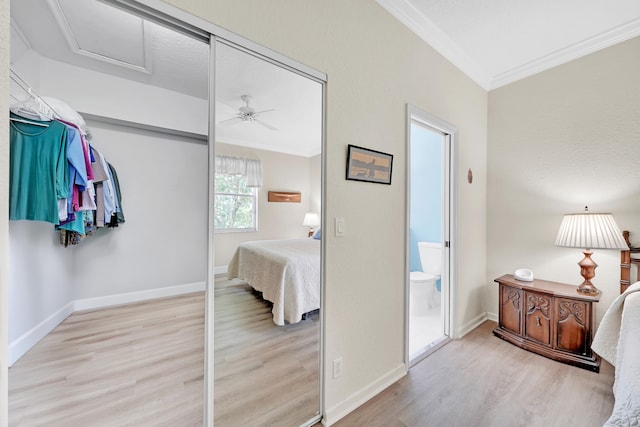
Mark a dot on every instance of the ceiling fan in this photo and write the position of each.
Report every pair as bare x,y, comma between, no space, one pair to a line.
247,114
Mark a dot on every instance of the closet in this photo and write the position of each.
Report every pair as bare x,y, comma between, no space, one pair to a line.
156,132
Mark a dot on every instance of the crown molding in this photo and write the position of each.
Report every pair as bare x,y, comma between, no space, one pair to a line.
406,13
67,31
570,53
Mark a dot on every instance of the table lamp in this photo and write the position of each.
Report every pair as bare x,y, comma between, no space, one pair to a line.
589,230
311,219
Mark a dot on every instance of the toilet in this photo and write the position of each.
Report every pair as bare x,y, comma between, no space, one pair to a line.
423,283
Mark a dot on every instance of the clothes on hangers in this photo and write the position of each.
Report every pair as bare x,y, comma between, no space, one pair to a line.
118,217
107,186
39,173
58,177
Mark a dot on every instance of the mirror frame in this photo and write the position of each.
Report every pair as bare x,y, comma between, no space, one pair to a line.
264,55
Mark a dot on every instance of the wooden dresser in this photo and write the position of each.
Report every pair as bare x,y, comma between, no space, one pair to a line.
548,318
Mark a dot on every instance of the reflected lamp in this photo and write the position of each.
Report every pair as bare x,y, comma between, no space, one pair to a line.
311,219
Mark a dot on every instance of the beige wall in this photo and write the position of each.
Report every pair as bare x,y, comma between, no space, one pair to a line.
280,172
558,141
375,66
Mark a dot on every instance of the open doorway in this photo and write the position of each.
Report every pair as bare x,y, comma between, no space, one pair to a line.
106,320
429,147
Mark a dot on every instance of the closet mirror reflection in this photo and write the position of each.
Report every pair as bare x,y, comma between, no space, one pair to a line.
267,287
111,331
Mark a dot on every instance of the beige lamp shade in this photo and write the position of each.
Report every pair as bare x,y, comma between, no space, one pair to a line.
590,231
311,219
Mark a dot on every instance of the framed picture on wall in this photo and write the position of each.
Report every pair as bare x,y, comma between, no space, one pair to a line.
368,165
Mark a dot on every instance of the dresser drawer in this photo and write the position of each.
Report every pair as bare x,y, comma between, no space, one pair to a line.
538,324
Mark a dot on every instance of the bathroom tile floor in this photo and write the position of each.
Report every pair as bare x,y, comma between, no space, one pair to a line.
425,327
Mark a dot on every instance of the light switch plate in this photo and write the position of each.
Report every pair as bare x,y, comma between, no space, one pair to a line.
340,227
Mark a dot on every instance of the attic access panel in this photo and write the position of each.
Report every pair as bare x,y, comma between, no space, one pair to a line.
128,42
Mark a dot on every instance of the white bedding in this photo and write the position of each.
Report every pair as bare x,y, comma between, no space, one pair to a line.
287,272
618,341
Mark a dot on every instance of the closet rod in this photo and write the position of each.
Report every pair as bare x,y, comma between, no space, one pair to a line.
22,84
201,138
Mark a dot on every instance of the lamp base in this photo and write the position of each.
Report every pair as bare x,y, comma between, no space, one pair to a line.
588,272
588,288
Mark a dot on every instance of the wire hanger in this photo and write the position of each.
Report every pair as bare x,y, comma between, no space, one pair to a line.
15,119
30,106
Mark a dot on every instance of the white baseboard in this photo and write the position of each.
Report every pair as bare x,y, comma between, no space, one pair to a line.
492,316
30,338
129,297
471,325
339,411
220,270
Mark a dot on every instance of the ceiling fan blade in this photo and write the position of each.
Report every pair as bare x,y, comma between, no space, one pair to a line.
263,111
267,125
231,121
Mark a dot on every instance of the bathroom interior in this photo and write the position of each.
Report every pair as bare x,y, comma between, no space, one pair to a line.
426,317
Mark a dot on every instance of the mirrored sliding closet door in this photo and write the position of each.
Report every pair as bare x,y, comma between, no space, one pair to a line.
268,193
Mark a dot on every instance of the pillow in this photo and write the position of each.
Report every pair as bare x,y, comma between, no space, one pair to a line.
317,234
66,112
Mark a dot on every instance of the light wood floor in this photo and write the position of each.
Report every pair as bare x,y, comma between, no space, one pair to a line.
135,365
265,375
480,381
142,365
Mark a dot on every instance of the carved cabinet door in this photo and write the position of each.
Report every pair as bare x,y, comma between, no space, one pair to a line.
537,325
510,309
573,325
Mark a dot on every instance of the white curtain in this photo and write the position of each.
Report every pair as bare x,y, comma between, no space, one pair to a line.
249,168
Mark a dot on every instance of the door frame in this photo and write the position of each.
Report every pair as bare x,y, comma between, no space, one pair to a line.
449,227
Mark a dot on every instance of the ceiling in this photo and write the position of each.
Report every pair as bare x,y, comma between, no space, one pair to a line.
129,47
293,105
497,42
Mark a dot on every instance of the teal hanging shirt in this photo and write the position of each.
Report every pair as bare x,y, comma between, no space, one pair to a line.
39,171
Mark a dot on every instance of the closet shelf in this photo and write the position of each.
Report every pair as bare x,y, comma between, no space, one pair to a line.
135,125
